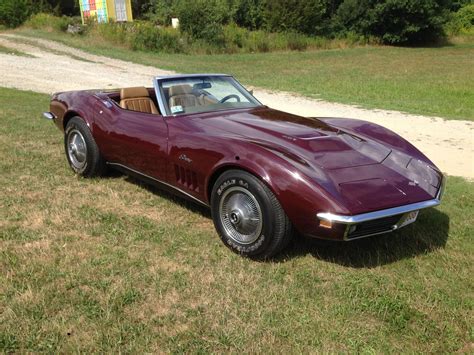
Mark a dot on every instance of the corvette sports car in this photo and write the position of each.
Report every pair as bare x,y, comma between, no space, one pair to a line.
265,174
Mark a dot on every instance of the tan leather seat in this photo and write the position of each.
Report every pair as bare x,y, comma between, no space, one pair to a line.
137,99
182,95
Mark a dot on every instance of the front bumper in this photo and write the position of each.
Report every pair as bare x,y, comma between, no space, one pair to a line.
49,116
378,222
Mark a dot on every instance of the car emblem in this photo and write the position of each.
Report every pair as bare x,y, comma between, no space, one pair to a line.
185,158
414,183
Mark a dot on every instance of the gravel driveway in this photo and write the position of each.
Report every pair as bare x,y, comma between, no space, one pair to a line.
56,67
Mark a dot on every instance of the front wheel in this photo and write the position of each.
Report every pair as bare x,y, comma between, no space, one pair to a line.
82,152
248,217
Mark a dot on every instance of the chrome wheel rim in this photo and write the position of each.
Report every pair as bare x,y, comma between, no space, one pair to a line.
240,215
77,149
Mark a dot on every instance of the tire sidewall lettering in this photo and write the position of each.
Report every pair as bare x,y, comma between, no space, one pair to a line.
262,239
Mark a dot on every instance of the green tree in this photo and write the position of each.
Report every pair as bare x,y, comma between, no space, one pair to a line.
394,21
203,19
247,13
14,12
304,16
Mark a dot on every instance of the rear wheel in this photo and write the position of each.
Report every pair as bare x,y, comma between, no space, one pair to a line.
81,149
248,217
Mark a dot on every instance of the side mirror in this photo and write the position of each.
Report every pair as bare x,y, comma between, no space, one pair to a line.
251,92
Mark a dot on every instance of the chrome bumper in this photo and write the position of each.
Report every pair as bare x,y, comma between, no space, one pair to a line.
394,217
49,116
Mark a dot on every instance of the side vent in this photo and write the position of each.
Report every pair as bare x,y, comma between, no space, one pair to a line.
186,178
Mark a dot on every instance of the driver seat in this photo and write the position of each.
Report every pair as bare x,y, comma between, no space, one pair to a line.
182,95
137,99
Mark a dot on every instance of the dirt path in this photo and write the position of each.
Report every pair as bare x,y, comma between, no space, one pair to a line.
56,67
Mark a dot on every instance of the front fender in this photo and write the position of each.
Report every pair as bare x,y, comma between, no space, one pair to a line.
294,185
75,103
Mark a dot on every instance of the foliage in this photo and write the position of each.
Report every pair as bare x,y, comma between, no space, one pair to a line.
203,19
58,7
139,35
461,21
147,36
160,11
14,12
393,21
49,22
248,13
294,15
455,5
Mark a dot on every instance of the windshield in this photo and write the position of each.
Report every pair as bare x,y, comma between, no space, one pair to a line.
204,94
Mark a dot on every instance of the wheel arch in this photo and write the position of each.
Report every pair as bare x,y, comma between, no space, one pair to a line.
71,114
68,116
218,171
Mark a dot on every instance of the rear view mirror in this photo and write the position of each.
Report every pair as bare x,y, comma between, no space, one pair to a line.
200,86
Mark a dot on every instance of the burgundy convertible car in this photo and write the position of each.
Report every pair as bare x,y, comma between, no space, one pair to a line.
264,173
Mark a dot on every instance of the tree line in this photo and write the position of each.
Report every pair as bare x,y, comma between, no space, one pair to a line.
390,21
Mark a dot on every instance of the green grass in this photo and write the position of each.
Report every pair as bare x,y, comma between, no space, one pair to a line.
110,265
428,81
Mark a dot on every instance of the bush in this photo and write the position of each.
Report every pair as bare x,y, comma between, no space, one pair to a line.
235,36
117,33
14,12
303,16
461,21
160,11
296,42
248,13
147,36
49,22
203,20
394,21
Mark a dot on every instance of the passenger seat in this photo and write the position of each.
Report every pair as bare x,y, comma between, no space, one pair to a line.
137,99
182,95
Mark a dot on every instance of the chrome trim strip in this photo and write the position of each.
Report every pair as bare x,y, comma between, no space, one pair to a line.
364,217
160,182
181,76
245,90
371,234
49,116
159,98
442,188
161,103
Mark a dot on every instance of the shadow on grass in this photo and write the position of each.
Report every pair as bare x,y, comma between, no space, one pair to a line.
428,234
163,193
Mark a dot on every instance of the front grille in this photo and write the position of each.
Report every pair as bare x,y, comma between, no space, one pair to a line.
375,226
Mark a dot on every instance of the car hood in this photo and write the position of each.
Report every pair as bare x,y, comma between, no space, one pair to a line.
310,139
362,173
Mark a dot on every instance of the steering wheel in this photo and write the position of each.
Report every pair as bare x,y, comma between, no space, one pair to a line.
228,97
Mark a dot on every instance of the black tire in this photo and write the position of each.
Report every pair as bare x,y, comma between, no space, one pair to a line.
238,199
81,150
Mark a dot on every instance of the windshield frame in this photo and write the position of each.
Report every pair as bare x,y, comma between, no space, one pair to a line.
164,107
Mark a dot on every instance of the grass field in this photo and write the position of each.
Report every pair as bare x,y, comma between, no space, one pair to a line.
429,81
111,265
